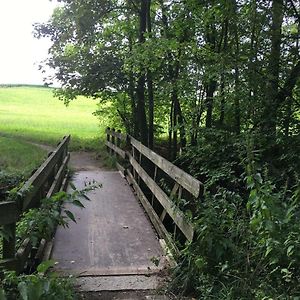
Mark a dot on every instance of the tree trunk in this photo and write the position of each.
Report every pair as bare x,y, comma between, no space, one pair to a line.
140,91
252,79
237,117
150,86
211,87
222,84
269,116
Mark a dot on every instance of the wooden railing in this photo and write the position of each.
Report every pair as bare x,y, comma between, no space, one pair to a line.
48,179
151,177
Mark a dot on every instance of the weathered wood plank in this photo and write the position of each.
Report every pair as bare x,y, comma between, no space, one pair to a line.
23,254
64,184
120,168
35,182
9,212
116,149
116,134
158,225
177,216
194,186
58,177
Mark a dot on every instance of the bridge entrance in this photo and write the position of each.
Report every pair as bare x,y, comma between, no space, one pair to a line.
112,245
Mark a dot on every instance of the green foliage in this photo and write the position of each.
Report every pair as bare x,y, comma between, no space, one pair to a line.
7,182
247,226
36,286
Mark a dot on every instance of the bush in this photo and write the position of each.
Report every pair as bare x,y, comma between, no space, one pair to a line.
247,241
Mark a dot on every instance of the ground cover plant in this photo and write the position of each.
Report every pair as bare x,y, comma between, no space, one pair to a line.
34,114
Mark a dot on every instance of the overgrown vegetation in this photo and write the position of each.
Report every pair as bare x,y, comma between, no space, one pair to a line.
36,286
247,234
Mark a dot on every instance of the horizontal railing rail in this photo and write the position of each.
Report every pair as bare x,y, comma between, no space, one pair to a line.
147,173
48,179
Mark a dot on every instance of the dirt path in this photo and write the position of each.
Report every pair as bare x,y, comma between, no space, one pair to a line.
86,161
80,160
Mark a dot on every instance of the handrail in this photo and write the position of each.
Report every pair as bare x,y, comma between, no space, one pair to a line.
158,205
49,178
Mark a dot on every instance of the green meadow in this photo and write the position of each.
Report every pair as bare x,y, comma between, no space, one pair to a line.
33,114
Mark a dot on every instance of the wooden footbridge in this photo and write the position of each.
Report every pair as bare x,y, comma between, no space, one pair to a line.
126,236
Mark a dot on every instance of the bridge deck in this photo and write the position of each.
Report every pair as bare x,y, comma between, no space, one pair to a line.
112,236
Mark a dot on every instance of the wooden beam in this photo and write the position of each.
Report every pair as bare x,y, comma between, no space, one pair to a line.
160,228
23,254
120,168
64,184
194,186
35,182
116,134
58,177
177,215
116,149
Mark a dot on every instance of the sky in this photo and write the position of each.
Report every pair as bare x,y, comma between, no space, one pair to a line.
20,52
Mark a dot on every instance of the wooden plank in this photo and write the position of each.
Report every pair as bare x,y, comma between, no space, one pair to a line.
177,216
58,177
64,184
158,225
116,149
9,212
39,254
48,250
194,186
116,134
36,181
120,168
23,254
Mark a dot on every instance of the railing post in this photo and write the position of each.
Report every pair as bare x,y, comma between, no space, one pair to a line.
113,139
118,139
9,245
107,138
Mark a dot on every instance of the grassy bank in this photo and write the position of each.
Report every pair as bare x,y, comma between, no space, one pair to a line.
19,157
33,113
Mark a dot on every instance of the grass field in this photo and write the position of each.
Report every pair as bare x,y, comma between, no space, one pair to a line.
19,157
32,113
